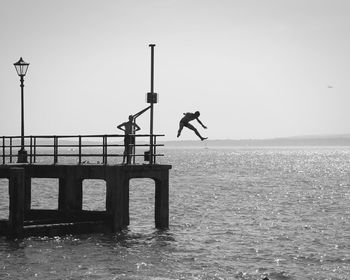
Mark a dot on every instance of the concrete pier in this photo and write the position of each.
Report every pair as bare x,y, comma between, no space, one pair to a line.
70,218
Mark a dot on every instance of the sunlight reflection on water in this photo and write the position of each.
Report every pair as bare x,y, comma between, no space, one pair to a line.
234,214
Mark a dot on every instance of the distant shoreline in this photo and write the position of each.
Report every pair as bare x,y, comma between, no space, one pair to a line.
298,141
288,141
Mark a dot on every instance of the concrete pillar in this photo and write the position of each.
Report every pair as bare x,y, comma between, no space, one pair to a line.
70,193
16,193
161,209
125,185
109,195
116,204
27,192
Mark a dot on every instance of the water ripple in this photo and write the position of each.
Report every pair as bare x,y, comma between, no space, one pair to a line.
239,213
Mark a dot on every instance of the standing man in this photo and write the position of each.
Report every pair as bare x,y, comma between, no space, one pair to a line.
185,121
129,128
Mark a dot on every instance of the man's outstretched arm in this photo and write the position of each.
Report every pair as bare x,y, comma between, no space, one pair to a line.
201,123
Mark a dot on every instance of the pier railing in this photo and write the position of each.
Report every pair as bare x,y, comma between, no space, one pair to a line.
80,149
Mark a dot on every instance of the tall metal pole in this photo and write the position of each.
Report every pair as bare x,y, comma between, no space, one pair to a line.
152,93
21,69
22,153
22,113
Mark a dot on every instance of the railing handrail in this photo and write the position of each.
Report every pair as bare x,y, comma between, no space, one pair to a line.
82,135
103,142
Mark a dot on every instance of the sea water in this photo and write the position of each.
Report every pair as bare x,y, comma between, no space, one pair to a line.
235,213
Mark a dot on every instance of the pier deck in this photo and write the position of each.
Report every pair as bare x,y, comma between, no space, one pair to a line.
70,217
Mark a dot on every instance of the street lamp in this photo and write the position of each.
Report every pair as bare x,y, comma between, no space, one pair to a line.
21,68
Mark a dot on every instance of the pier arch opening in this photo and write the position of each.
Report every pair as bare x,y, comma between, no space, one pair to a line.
94,195
44,193
4,199
141,202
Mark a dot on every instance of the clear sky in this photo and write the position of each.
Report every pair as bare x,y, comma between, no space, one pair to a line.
253,68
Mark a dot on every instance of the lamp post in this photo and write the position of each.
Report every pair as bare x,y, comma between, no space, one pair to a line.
21,68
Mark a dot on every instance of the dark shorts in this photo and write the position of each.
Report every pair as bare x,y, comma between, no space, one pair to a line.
187,124
129,139
182,123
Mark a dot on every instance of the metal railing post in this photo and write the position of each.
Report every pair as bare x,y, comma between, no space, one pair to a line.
155,151
34,149
79,149
10,150
104,149
31,150
55,149
3,150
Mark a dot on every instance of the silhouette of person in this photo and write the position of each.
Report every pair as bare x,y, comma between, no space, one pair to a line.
129,128
185,121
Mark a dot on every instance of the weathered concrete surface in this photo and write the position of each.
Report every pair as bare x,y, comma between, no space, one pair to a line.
69,212
14,226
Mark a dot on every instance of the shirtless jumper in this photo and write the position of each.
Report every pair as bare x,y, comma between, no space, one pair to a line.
185,121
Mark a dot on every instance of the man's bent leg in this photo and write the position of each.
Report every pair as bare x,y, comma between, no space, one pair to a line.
181,126
190,126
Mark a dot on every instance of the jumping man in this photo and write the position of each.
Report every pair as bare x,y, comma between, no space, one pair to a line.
185,121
